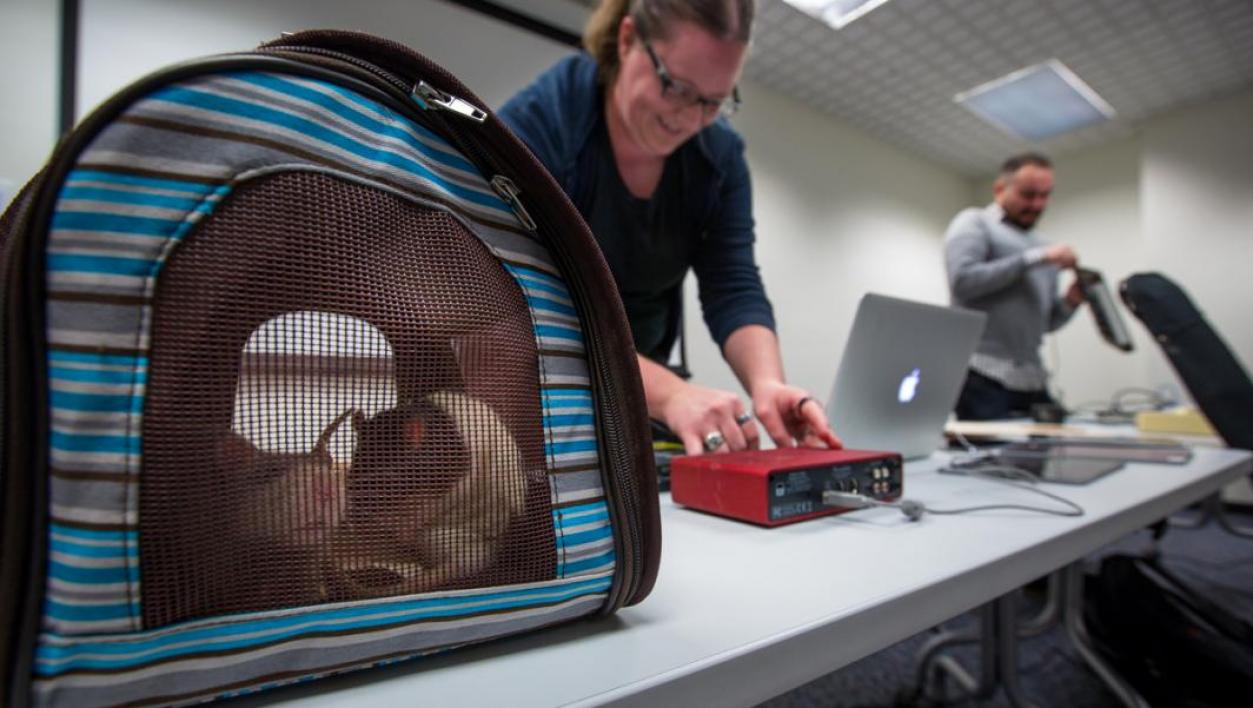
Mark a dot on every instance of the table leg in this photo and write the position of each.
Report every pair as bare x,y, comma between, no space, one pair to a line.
1072,616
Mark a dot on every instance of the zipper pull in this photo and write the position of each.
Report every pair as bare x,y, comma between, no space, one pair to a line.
509,192
428,97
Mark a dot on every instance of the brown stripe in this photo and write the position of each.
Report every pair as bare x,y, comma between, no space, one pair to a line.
217,133
314,635
98,298
567,387
158,174
572,470
89,526
580,502
556,352
85,476
531,266
90,349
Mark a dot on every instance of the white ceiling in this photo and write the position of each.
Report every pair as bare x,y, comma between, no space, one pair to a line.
893,73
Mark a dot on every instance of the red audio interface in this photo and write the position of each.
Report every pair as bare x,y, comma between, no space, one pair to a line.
781,486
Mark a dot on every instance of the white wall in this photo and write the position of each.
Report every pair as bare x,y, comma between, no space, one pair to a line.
1176,198
838,214
123,39
29,49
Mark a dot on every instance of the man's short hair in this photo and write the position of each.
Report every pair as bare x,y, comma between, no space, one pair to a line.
1017,162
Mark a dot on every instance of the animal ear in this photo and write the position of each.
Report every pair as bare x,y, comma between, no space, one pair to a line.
322,447
358,420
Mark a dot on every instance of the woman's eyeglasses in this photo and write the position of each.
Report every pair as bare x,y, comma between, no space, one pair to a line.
683,95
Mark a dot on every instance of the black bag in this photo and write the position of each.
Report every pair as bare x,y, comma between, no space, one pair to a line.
1218,383
309,343
1175,645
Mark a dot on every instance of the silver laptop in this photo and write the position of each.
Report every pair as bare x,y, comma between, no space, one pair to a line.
903,367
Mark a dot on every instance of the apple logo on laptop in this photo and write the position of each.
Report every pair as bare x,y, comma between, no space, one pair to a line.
909,387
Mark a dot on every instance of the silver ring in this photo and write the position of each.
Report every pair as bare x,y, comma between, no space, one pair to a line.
713,441
743,418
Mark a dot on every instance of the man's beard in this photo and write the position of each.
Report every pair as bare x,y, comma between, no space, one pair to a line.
1022,223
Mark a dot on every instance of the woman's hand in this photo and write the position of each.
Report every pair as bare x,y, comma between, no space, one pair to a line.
792,417
695,413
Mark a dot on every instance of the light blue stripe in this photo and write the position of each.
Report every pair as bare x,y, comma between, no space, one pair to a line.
56,355
566,519
586,564
77,442
46,655
546,305
575,539
585,508
569,419
98,376
557,332
94,534
138,181
89,613
566,394
522,271
367,122
96,403
101,221
317,131
118,196
565,448
109,265
528,284
92,576
86,551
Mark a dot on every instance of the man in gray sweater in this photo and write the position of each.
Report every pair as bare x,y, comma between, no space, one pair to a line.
999,265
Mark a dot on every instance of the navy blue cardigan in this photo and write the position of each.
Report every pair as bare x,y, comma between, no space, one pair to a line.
556,117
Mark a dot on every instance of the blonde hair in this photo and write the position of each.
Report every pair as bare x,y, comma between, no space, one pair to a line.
724,19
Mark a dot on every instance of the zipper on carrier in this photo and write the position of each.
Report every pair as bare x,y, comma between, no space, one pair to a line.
429,97
512,196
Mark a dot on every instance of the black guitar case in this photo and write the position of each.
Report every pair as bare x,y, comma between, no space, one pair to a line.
1218,383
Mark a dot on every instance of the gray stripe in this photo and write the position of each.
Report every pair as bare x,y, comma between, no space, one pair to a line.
576,482
79,338
142,211
89,422
308,656
96,317
142,189
83,591
104,151
95,283
590,550
111,517
97,495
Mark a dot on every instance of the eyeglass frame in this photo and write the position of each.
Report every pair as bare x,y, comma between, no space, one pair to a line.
708,107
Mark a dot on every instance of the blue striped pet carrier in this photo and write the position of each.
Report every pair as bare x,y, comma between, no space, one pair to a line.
309,367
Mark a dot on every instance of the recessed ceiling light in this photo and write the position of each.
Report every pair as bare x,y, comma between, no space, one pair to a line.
1037,102
836,13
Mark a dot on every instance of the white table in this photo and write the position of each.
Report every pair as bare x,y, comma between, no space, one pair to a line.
742,613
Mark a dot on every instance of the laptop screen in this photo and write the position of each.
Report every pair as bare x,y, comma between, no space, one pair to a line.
903,366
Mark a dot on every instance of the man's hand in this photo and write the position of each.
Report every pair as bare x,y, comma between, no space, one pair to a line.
1074,294
1061,255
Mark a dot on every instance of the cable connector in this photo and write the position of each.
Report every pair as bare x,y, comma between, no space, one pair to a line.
846,500
913,510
